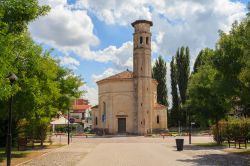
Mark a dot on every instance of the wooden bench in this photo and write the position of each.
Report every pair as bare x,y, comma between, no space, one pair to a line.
237,140
165,135
86,135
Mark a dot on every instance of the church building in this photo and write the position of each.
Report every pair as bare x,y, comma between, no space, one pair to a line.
128,100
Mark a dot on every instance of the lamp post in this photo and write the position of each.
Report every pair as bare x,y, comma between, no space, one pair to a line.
12,77
68,126
190,131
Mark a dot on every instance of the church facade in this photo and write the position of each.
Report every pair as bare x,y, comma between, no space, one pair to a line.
128,100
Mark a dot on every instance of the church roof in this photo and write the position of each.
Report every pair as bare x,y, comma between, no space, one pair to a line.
96,106
123,75
158,106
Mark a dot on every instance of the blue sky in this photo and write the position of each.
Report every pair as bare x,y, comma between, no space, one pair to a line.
94,38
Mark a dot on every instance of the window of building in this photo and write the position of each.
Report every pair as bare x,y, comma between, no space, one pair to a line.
146,40
158,119
96,122
141,39
83,115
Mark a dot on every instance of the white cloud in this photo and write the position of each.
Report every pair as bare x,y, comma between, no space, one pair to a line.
113,11
91,94
70,62
193,23
121,57
176,22
108,72
64,28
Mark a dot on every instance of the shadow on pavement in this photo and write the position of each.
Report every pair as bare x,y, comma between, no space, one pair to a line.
197,147
218,159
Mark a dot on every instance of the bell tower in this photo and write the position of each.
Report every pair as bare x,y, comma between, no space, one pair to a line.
142,76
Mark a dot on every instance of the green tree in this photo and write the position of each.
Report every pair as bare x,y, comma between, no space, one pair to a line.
221,84
16,14
42,81
183,71
174,114
203,58
159,73
205,98
232,61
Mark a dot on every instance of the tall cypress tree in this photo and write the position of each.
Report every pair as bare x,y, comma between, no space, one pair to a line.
198,62
174,115
183,70
159,73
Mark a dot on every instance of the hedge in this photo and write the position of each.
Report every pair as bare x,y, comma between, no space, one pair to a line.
232,129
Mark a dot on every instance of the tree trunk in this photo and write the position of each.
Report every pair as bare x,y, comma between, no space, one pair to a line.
41,143
217,131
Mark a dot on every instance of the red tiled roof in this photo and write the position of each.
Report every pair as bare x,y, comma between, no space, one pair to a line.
80,102
123,75
81,107
158,106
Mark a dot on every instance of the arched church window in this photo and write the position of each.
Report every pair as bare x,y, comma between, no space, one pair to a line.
96,122
146,40
141,39
158,119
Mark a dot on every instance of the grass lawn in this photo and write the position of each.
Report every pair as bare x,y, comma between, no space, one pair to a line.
22,156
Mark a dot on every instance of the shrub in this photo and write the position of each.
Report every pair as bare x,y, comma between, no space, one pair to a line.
41,126
231,129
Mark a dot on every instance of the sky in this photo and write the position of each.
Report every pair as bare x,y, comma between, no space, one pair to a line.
94,37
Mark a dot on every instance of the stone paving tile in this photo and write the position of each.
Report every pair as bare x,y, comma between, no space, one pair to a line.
213,156
128,154
137,151
65,156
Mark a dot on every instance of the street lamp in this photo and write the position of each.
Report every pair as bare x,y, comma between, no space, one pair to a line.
190,131
68,127
12,77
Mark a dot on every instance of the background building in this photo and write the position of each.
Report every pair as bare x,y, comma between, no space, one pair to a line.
81,112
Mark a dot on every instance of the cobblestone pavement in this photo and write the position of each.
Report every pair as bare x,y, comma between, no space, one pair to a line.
137,151
64,156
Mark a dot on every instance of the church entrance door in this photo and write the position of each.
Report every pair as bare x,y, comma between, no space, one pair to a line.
121,125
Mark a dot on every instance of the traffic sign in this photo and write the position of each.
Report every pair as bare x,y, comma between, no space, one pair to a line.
72,120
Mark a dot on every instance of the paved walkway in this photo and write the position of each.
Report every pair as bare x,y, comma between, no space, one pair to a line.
136,151
133,154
